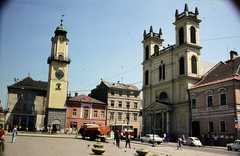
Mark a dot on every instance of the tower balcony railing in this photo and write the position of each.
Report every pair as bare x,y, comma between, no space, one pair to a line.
149,35
52,58
171,47
190,14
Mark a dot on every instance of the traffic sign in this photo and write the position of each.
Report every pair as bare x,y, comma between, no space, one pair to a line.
236,126
236,120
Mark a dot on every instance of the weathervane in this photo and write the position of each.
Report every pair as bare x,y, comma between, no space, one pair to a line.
62,19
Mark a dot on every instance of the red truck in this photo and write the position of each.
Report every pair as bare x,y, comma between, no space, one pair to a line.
94,132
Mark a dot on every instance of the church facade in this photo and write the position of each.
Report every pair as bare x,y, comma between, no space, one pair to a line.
167,74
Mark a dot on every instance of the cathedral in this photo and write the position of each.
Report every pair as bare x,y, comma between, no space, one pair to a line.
168,73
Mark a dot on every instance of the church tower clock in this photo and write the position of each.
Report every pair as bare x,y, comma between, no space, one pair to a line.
57,80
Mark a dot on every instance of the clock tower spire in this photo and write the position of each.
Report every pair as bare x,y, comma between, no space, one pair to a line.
57,80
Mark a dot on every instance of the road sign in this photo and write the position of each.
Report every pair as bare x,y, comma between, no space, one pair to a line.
236,120
236,126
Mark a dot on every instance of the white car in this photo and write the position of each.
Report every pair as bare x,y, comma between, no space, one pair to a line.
192,141
235,145
149,138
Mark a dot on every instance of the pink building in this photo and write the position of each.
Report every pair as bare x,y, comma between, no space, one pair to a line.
83,109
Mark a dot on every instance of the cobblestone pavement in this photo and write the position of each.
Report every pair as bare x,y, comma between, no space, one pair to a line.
69,145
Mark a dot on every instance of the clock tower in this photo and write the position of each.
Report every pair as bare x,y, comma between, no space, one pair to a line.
57,80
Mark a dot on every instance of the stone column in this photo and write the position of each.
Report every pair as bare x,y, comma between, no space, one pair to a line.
163,125
167,122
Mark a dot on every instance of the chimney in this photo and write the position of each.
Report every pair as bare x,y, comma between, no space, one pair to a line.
233,55
76,94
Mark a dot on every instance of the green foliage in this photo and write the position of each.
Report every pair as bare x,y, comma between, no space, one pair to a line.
99,147
142,149
98,143
154,155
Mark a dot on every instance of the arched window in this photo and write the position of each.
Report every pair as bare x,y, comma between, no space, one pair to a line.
147,53
193,35
181,36
60,57
194,65
146,77
164,72
181,66
163,95
160,73
156,49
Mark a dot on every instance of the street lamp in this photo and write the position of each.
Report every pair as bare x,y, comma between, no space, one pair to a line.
234,96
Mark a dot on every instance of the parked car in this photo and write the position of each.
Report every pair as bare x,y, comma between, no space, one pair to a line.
235,145
149,138
192,141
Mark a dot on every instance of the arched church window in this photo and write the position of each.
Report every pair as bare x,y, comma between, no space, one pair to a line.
193,35
160,73
163,95
156,49
181,36
164,72
60,57
181,66
194,65
146,77
147,53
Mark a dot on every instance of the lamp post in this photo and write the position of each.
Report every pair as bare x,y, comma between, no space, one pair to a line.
234,94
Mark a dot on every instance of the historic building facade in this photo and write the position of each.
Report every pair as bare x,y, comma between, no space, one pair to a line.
215,103
26,104
123,103
168,73
57,81
83,109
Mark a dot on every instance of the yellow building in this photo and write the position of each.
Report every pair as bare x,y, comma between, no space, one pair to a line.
57,81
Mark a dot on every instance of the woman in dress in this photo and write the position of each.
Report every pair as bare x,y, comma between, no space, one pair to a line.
179,143
14,134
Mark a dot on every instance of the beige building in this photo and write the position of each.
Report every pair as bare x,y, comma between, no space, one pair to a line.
124,103
26,104
168,73
57,81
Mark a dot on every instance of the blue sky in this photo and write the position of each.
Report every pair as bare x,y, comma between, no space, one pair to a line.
105,37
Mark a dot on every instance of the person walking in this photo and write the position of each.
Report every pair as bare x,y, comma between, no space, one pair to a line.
164,136
117,137
215,138
14,134
128,140
179,143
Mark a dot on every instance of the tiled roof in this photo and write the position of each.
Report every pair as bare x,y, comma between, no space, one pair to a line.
29,83
86,99
120,86
220,73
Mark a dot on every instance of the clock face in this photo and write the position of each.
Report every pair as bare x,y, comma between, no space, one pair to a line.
59,74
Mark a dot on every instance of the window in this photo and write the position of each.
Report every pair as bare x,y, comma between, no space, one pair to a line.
163,95
25,107
163,72
74,112
60,57
33,96
181,66
160,73
112,103
128,104
112,92
111,116
18,95
32,107
156,49
135,105
181,36
127,117
120,93
135,94
95,114
102,114
223,126
147,53
85,113
194,103
119,116
193,35
146,77
210,101
134,117
26,95
210,126
120,104
194,65
223,100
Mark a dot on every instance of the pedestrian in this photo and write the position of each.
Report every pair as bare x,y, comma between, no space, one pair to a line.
164,136
179,145
215,138
14,134
128,140
117,137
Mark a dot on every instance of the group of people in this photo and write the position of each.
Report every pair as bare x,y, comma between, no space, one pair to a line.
117,137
